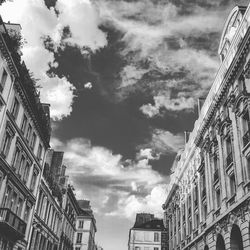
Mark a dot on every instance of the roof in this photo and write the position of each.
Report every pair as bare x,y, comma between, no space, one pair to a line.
155,224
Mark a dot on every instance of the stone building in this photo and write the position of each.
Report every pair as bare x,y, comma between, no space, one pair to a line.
47,222
85,227
24,139
208,201
148,233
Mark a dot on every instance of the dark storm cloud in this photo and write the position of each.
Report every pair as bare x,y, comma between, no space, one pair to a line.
109,114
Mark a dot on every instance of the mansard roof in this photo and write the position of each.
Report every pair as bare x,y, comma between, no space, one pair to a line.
155,224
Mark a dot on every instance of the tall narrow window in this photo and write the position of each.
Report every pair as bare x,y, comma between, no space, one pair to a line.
28,133
79,238
81,224
21,166
245,129
33,181
6,144
19,207
156,237
16,158
6,197
15,108
26,213
24,124
218,198
33,140
26,172
39,152
232,185
3,80
229,159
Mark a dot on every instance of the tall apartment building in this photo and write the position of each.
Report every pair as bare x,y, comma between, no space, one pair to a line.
47,222
24,139
85,227
208,201
148,233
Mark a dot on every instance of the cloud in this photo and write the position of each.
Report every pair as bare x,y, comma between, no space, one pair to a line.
88,85
164,44
166,142
163,100
100,173
80,16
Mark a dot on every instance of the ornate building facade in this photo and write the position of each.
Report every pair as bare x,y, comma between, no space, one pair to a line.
208,201
24,139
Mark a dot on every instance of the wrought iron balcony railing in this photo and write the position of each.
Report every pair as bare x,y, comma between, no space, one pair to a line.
246,138
11,224
216,175
229,159
204,193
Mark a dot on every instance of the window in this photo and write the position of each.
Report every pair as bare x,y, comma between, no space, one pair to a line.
77,248
232,185
26,213
33,181
15,108
16,158
3,80
21,166
156,237
205,211
39,152
137,248
6,197
19,207
218,198
6,144
156,248
28,133
79,238
13,202
196,220
26,172
33,140
146,248
81,224
24,123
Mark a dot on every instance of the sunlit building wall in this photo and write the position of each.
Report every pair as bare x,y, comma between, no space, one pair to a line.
208,202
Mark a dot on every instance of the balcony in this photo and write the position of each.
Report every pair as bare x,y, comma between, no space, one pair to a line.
216,175
246,138
11,225
204,193
229,159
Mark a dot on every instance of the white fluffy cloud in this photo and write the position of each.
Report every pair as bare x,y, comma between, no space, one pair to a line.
164,100
116,181
39,22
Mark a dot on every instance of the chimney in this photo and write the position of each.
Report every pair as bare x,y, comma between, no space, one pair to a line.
200,104
186,135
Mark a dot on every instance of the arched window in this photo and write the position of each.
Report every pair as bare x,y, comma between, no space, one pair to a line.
220,243
236,238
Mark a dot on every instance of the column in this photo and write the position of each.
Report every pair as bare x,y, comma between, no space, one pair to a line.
209,186
222,175
237,156
199,203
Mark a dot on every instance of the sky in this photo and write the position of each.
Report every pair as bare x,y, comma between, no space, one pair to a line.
123,78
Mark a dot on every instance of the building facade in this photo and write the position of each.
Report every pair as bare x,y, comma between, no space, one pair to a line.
24,139
85,227
208,201
148,233
47,221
